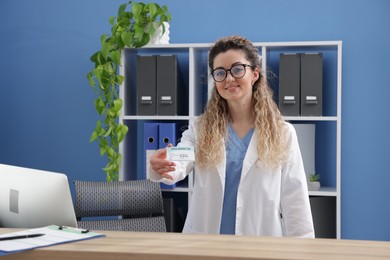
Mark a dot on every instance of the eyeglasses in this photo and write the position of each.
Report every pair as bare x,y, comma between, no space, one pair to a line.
237,71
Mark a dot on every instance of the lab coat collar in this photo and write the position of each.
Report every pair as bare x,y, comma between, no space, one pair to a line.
251,158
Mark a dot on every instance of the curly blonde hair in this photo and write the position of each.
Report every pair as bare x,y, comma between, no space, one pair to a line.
269,127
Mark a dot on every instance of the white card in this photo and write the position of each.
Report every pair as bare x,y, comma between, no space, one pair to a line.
180,153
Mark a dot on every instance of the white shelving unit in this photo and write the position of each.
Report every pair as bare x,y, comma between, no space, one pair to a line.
192,59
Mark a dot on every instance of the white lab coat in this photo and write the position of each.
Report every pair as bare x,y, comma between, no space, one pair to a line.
269,202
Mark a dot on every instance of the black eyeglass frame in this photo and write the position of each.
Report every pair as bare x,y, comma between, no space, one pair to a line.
230,71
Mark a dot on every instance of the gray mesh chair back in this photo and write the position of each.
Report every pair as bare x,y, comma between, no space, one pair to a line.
139,204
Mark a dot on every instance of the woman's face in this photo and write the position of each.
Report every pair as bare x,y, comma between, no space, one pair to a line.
235,89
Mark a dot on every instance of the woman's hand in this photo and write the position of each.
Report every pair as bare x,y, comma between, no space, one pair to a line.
160,164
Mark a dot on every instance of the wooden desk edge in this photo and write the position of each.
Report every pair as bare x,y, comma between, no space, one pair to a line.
146,246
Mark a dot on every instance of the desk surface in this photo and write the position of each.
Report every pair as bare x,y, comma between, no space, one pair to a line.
168,246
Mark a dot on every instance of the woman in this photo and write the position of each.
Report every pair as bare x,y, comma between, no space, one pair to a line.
249,175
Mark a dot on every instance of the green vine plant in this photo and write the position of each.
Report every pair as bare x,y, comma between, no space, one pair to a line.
128,29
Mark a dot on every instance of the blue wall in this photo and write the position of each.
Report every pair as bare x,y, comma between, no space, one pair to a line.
46,106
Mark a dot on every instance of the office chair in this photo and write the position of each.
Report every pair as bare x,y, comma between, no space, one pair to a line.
136,204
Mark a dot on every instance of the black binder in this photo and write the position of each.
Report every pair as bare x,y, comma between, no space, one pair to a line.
324,216
170,215
311,84
170,95
146,85
289,84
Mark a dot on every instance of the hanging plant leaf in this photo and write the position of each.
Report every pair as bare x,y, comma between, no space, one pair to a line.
128,29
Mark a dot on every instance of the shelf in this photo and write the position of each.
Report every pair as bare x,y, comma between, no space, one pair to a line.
192,61
299,44
310,118
324,191
287,118
157,117
257,44
176,189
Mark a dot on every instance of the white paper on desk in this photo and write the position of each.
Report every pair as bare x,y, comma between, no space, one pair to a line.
52,236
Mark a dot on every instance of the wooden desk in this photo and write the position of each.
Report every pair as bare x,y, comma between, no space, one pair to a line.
174,246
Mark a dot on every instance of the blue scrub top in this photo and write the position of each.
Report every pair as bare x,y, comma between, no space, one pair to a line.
235,153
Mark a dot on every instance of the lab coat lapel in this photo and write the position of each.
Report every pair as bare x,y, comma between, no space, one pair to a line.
221,168
250,157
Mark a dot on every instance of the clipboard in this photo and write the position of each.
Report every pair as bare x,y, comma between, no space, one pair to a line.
52,235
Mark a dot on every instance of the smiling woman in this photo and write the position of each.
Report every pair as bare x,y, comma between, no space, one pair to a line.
249,172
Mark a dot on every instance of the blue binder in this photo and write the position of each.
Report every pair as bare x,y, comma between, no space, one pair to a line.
150,143
167,135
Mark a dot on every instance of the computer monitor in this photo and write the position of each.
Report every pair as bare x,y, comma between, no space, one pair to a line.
31,198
